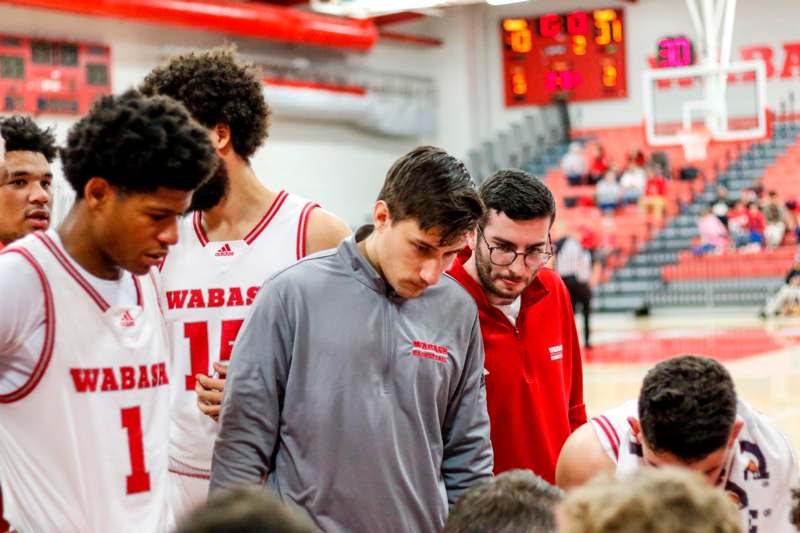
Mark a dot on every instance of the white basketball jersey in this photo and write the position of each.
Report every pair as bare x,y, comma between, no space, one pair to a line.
84,442
209,288
758,477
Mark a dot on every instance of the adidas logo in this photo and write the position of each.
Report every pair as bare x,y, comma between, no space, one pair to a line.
225,250
127,320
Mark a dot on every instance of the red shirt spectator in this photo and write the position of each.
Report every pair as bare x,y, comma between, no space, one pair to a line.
756,220
656,186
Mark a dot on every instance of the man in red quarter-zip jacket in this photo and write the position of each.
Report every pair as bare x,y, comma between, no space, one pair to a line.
534,379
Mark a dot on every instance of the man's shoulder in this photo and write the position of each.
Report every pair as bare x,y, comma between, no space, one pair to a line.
308,270
452,293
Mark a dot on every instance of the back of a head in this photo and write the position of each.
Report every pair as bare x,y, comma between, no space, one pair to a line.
652,500
435,189
244,510
21,133
795,516
513,502
687,407
217,88
138,144
521,196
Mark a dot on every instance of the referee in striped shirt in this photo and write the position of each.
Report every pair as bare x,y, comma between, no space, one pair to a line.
574,265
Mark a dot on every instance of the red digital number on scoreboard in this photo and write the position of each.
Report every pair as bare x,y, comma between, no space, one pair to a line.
41,76
574,56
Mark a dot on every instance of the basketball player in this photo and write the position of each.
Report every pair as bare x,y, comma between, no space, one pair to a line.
356,385
25,178
688,416
83,345
227,249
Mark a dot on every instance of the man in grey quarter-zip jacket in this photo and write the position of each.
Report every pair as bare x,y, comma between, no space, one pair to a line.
356,385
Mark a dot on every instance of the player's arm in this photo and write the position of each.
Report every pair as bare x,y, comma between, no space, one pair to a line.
467,456
23,307
251,409
581,458
324,231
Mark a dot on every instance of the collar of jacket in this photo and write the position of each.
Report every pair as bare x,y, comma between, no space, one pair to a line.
532,294
362,269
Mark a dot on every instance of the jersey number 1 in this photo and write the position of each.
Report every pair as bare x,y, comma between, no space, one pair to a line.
139,480
197,333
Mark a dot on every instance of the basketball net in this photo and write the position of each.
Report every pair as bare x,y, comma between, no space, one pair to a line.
695,143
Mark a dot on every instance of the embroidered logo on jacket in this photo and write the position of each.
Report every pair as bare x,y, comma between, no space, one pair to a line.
556,352
225,250
426,350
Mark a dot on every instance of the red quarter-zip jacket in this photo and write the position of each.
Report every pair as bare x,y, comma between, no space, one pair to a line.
534,385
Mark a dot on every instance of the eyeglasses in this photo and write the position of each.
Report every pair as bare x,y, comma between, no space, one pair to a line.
502,256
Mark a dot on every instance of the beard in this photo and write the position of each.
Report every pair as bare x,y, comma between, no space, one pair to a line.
486,278
209,194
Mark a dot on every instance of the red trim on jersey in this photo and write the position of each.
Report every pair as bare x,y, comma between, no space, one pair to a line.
614,431
156,290
49,333
614,444
4,526
72,271
196,476
197,222
267,218
302,228
139,299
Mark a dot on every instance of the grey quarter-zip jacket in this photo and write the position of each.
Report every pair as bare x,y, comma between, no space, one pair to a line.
364,410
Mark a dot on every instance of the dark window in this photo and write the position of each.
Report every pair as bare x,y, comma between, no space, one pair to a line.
68,55
11,41
97,74
12,68
97,51
42,53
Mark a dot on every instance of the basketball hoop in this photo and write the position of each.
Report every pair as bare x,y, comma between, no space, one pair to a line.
695,143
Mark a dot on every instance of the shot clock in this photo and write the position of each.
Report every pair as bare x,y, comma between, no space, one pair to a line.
576,56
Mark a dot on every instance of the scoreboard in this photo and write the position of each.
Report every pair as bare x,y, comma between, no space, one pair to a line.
45,76
576,56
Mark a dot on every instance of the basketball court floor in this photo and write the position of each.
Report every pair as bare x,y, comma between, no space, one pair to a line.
763,357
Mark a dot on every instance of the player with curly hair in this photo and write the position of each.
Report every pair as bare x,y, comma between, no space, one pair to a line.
240,234
25,177
688,416
83,346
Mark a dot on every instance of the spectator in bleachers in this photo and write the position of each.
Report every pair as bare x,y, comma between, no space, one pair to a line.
787,300
515,501
777,219
632,182
721,205
607,243
608,193
652,500
713,234
739,224
654,201
636,157
573,164
757,225
758,188
599,166
748,196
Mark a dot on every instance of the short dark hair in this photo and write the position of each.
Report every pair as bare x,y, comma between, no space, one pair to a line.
795,515
244,510
518,194
687,407
138,144
23,134
435,189
217,88
517,501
